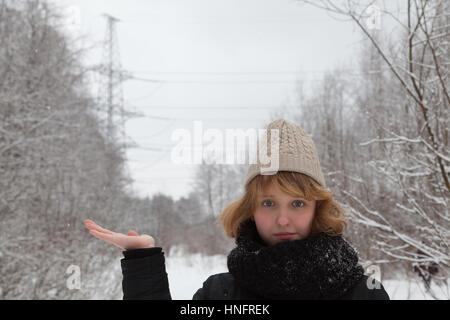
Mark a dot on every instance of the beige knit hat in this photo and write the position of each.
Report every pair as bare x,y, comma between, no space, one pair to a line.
297,152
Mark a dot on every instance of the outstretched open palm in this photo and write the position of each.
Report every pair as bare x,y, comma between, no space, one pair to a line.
128,242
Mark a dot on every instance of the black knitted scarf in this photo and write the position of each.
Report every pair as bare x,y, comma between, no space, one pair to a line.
318,267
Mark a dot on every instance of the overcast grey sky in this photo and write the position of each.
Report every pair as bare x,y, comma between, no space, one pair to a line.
228,63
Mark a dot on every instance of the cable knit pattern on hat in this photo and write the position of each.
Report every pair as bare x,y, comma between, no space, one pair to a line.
297,152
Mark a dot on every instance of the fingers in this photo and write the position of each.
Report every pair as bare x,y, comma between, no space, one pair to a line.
104,236
130,241
101,235
91,225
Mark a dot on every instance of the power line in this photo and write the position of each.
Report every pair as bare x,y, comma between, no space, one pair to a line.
162,156
208,119
157,133
244,20
201,118
159,149
348,72
208,108
233,73
252,73
210,82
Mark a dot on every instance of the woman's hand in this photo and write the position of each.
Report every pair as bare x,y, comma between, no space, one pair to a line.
128,242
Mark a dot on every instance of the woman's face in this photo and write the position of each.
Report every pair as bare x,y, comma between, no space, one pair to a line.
281,217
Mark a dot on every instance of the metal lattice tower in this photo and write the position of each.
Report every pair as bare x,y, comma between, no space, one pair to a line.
111,109
110,87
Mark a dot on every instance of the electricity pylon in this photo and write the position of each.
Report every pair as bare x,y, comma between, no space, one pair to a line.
111,102
110,87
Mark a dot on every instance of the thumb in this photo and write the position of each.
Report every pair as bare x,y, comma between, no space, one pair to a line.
132,233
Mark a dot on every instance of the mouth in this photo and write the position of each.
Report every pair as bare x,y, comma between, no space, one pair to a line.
284,235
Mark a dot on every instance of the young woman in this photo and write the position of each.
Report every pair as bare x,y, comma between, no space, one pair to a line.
288,231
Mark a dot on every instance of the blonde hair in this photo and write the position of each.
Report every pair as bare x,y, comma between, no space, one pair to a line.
328,215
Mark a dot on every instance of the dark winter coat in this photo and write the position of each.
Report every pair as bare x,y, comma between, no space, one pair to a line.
145,277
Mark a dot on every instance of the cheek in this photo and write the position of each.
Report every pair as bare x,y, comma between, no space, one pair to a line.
304,221
262,221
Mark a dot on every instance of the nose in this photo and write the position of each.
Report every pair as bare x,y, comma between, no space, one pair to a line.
283,219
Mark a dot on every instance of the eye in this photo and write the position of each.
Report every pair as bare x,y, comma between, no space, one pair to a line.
266,201
298,203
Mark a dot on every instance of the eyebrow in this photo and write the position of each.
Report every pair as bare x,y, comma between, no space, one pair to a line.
270,195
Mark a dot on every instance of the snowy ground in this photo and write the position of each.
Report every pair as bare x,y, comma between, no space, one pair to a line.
187,272
412,289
